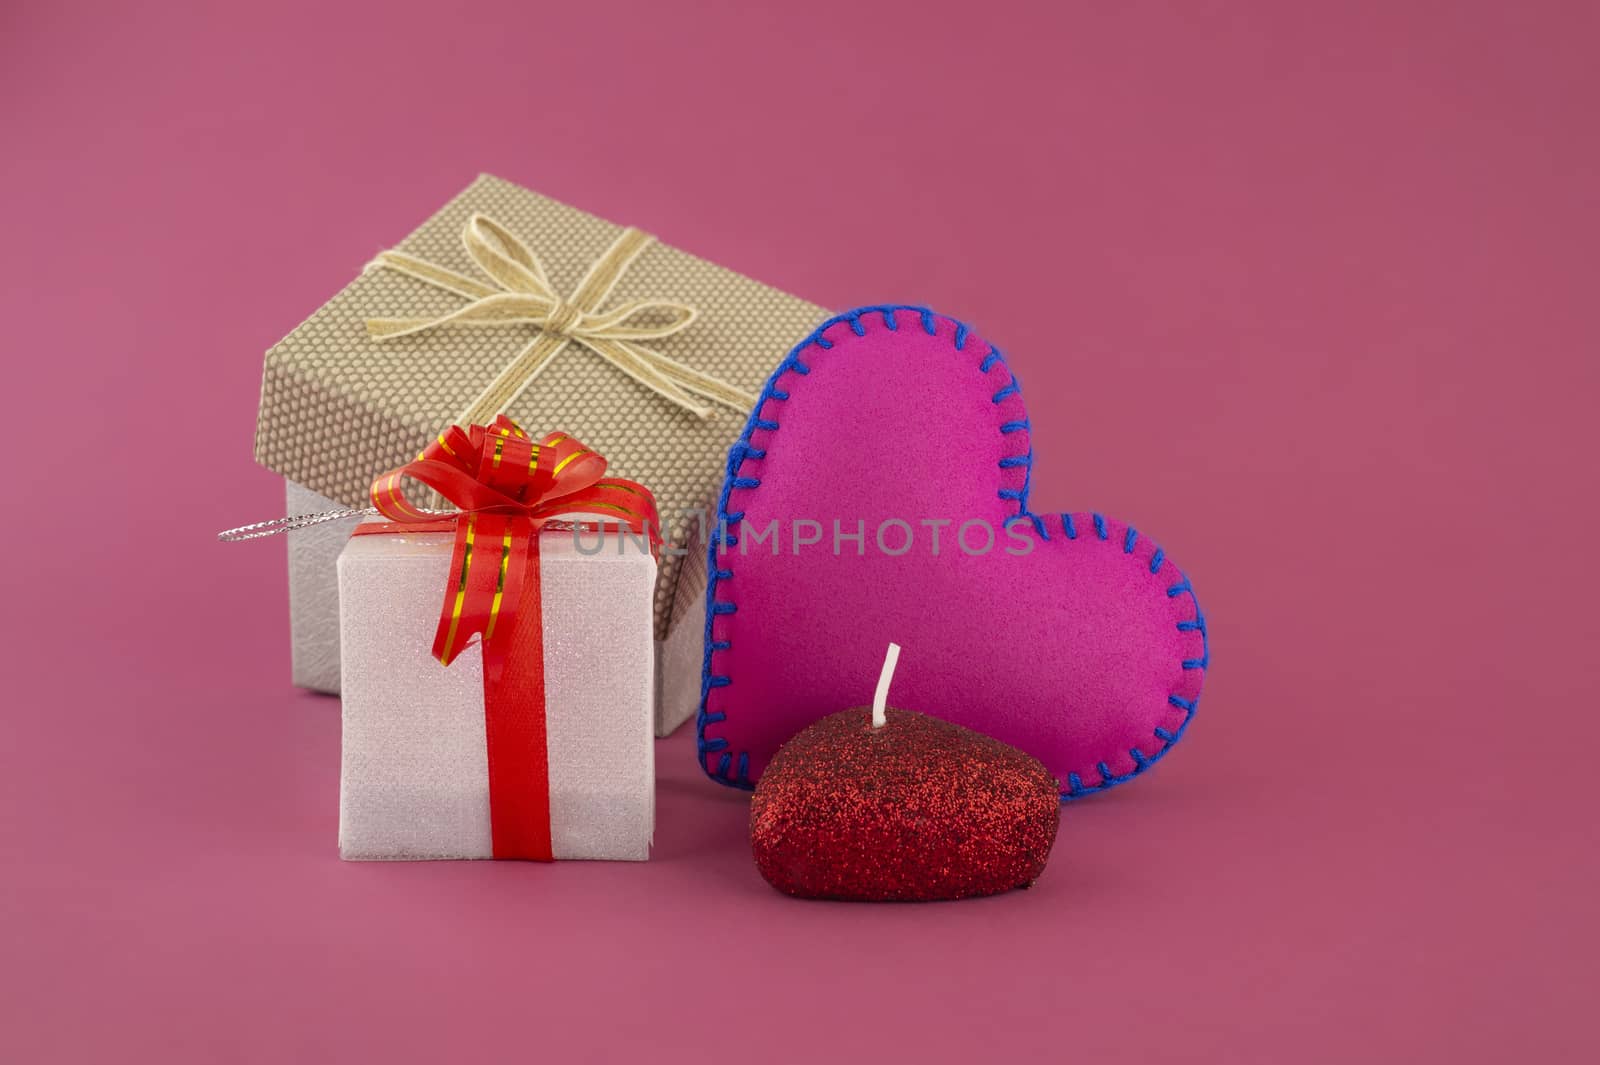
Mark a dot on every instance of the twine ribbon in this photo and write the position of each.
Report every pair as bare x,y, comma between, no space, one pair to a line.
519,293
508,487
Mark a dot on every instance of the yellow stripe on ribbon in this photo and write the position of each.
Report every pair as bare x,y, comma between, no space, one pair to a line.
620,509
628,488
563,463
461,592
396,504
500,587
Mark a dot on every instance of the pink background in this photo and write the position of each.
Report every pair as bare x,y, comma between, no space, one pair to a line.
1309,291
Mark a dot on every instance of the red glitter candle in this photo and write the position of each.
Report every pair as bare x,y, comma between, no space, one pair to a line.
885,804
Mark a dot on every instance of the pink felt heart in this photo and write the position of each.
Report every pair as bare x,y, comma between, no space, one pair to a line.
1072,637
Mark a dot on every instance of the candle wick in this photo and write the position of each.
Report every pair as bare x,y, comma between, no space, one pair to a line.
880,698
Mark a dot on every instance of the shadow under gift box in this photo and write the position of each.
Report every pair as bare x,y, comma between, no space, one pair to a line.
414,779
338,406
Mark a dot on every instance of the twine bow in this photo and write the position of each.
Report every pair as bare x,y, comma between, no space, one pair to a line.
520,293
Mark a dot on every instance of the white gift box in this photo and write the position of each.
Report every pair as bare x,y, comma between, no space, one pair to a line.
414,780
314,612
314,590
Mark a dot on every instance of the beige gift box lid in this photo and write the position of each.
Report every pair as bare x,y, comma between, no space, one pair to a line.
339,407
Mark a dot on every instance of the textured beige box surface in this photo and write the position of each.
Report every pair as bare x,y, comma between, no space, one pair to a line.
338,407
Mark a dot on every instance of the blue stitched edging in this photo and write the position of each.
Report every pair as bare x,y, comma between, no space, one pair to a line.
1075,787
734,771
729,770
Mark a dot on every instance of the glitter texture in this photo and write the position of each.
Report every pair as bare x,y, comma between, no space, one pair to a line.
917,810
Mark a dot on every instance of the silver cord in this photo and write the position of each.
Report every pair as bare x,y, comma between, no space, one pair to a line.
289,524
263,529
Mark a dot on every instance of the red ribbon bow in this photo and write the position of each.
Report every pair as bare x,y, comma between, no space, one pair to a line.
508,488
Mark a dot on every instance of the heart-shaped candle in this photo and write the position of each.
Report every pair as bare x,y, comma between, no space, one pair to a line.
880,491
877,804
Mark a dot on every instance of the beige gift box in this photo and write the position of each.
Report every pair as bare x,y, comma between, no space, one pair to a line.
340,405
